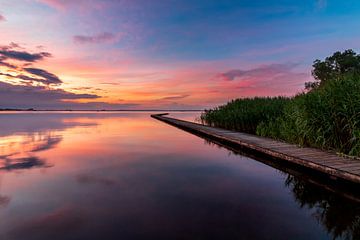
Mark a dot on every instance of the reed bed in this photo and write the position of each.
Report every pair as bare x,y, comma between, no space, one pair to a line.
245,114
326,118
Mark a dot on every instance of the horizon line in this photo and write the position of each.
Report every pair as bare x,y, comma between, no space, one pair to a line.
100,110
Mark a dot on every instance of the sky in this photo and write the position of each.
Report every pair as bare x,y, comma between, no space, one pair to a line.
164,54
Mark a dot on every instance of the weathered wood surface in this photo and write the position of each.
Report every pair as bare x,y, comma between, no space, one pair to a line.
324,161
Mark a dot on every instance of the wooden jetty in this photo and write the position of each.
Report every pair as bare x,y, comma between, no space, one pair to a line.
326,162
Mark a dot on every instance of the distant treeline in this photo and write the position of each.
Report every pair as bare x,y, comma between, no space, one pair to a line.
16,109
326,115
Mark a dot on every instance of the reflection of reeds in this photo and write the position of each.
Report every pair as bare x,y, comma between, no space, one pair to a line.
336,207
340,216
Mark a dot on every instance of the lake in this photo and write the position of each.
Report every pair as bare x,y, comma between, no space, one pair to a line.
124,175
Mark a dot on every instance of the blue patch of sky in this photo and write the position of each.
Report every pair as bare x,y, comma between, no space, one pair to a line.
208,30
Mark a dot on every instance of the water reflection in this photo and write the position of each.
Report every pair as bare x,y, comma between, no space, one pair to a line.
125,176
93,179
60,224
339,215
17,151
23,135
4,200
335,206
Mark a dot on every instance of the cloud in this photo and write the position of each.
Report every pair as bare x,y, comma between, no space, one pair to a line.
41,97
82,5
59,4
262,71
175,97
30,87
98,38
7,52
109,83
5,64
47,80
47,77
14,52
2,18
265,80
33,96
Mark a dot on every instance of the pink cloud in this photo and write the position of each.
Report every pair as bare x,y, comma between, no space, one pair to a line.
71,4
2,18
266,80
262,71
104,37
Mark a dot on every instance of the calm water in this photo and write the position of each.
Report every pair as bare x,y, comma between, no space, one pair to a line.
127,176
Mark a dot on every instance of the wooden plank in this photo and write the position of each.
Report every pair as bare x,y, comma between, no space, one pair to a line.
323,161
351,169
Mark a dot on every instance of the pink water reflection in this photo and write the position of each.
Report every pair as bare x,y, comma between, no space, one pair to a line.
126,175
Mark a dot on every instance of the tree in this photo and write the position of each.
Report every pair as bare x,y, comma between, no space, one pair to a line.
333,67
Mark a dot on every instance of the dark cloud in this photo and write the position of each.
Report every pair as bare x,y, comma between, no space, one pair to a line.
26,78
41,97
17,95
99,38
51,78
48,78
2,18
176,97
262,71
5,64
21,77
14,51
9,53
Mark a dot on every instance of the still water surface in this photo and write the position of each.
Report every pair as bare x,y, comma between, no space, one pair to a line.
127,176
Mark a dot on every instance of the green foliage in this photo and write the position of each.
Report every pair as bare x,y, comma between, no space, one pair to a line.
333,67
245,114
327,118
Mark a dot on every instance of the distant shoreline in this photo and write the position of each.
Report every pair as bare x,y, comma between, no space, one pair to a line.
96,110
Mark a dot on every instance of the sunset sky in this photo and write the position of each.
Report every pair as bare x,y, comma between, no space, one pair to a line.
164,54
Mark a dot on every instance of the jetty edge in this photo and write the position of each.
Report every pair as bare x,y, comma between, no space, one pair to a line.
326,162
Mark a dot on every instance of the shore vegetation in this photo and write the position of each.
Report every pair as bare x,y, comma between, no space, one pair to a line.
325,115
